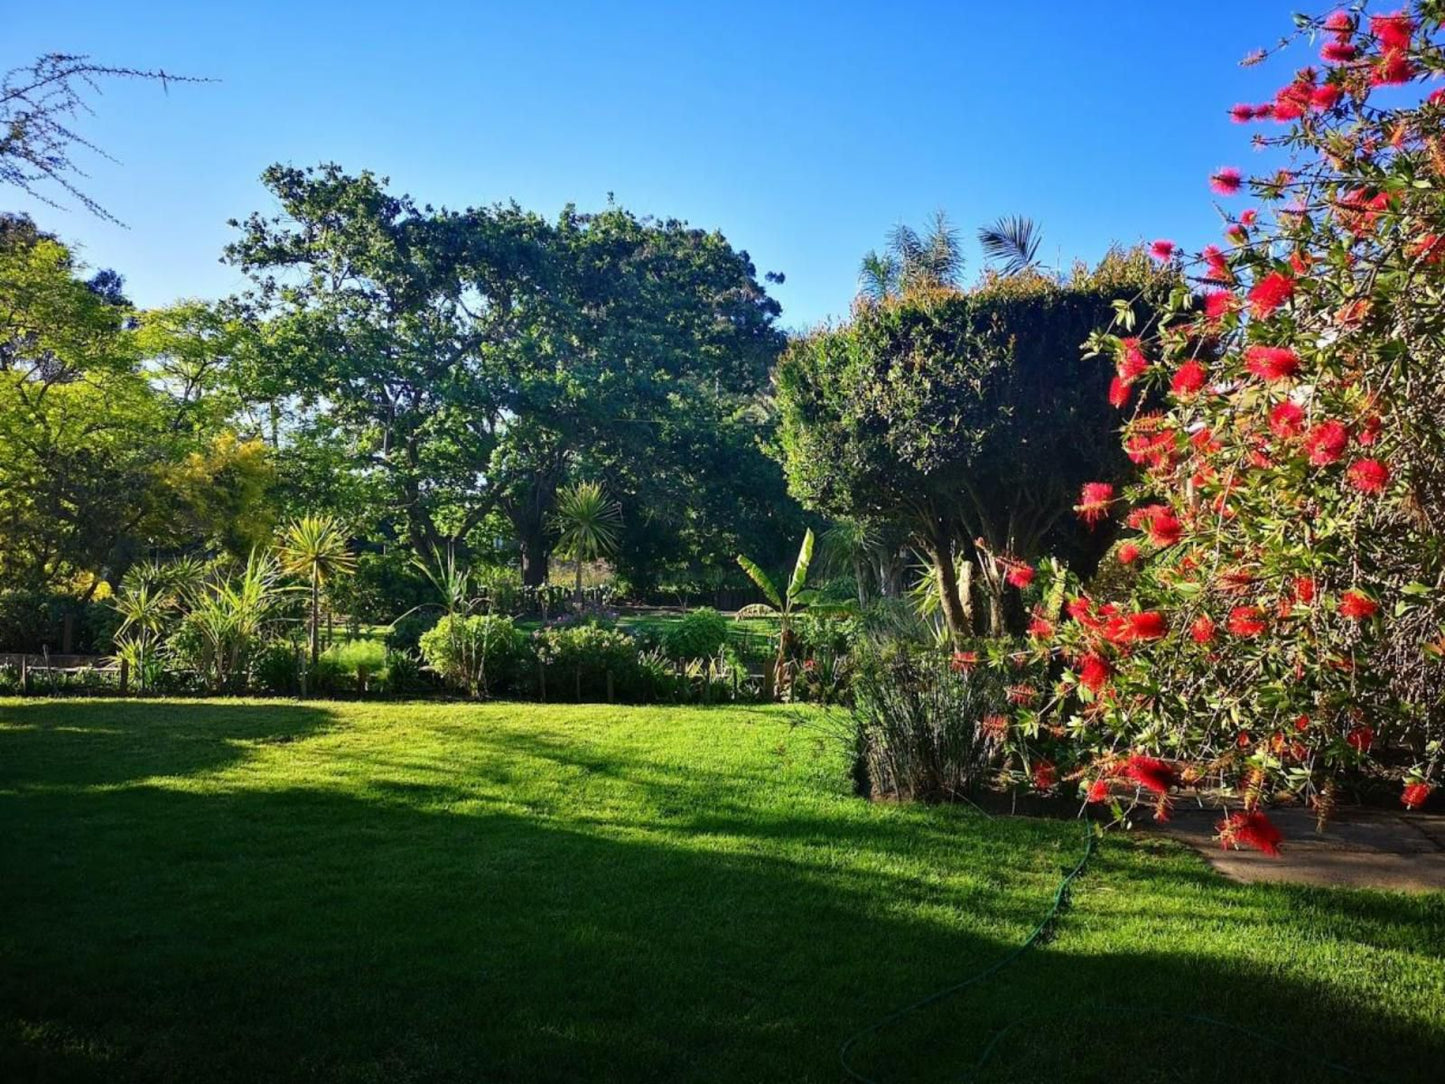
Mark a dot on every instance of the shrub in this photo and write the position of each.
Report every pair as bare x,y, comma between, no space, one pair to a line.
924,729
482,654
402,673
699,634
32,620
357,662
406,632
578,659
1285,629
276,668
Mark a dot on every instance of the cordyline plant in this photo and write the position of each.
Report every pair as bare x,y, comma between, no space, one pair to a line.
1287,412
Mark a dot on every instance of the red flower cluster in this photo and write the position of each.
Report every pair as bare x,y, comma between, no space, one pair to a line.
1368,475
1416,794
1271,363
1151,773
1252,829
1188,378
1270,292
1357,606
1326,443
1094,501
1247,621
1226,181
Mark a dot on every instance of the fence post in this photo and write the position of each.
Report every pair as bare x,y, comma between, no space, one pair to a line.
124,676
24,675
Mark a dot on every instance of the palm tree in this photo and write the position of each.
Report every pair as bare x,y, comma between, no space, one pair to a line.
314,548
911,261
784,605
1013,241
587,523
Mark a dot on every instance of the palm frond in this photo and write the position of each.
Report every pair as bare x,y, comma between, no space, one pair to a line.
1012,242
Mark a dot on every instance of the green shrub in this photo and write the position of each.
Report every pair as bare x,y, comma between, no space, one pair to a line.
356,662
32,620
402,673
698,635
276,668
483,654
406,632
578,659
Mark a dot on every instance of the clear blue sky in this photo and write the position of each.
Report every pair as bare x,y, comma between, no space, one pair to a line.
802,131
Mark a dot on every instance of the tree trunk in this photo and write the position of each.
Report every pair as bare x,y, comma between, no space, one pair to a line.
956,614
579,583
535,556
315,622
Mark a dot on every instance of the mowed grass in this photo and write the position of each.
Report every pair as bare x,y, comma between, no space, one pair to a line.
244,891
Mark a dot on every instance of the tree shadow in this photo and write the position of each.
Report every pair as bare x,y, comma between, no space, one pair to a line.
60,743
426,931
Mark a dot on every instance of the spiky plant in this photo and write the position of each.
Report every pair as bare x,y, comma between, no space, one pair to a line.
1012,243
315,549
587,522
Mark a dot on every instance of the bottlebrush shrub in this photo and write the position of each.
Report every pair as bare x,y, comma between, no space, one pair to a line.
1287,620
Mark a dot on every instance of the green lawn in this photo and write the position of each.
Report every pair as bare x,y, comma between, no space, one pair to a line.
251,891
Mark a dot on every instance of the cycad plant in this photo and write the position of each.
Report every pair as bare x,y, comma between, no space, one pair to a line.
314,548
587,522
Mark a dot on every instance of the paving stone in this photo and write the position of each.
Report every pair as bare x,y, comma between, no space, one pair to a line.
1359,849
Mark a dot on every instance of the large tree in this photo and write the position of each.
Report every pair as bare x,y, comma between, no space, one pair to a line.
469,359
967,417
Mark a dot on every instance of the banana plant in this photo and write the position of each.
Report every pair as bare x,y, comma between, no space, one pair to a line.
784,605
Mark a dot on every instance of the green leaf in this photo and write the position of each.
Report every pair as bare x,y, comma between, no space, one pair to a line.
759,577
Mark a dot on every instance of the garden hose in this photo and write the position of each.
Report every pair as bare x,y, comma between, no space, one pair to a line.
1060,902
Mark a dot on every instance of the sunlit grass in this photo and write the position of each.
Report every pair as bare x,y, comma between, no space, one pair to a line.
271,890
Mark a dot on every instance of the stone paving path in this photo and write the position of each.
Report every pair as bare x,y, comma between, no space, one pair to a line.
1360,849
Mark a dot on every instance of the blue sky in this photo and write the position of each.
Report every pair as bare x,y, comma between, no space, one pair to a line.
802,131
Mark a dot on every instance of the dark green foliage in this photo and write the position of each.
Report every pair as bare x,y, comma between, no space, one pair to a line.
32,621
919,725
699,634
963,416
406,632
578,660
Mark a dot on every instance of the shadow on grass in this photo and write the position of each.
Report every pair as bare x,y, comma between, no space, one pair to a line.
151,934
97,742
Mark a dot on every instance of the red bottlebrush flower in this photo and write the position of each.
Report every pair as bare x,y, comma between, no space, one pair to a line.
1302,723
963,661
1164,528
1202,631
1286,420
995,726
1020,576
1368,475
1217,264
1119,393
1021,694
1045,775
1244,740
1430,249
1327,97
1415,795
1094,672
1219,303
1128,553
1271,362
1270,292
1148,625
1132,362
1151,773
1327,442
1094,501
1304,589
1339,52
1357,606
1249,218
1247,621
1162,250
1394,69
1252,829
1394,30
1242,113
1041,628
1098,791
1340,23
1360,738
1226,181
1188,378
